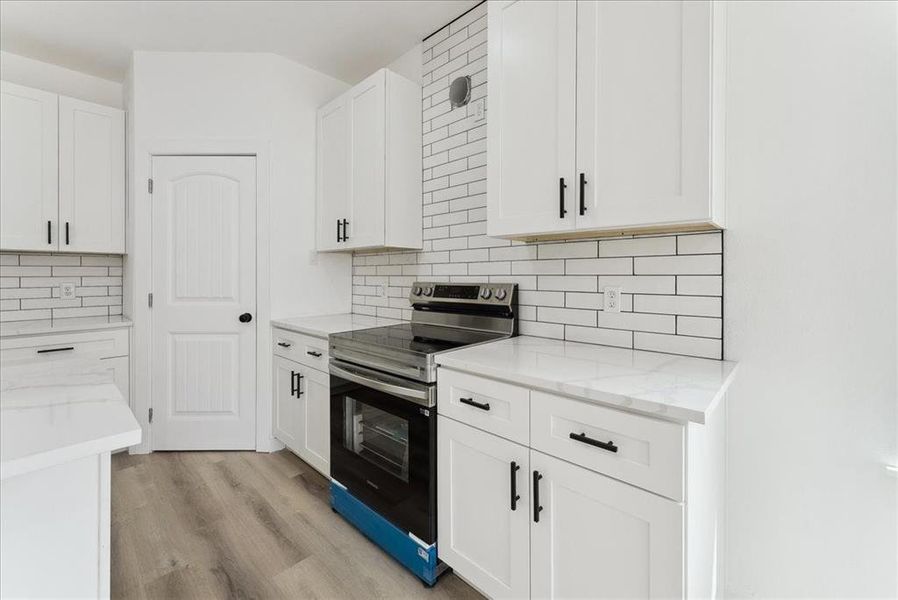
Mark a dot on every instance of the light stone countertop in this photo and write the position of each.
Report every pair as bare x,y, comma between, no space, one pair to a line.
51,417
662,385
41,326
323,325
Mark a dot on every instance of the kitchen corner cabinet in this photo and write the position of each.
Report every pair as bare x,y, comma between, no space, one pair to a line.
592,502
369,166
63,165
301,391
630,134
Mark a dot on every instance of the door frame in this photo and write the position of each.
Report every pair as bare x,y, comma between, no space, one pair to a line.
139,275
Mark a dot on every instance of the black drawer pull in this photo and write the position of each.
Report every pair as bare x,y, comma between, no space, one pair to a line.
313,353
536,506
48,350
284,344
561,209
474,403
339,235
49,233
292,383
582,437
345,230
298,385
514,485
66,233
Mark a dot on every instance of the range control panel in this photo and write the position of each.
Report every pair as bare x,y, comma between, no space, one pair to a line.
496,294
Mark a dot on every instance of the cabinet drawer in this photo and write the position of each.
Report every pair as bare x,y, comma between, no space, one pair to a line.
305,349
493,406
646,452
106,343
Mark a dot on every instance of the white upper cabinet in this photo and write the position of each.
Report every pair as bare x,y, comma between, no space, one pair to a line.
648,124
369,166
28,169
531,125
333,173
63,173
91,177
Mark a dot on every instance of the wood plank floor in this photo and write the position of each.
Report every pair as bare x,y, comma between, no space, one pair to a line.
243,525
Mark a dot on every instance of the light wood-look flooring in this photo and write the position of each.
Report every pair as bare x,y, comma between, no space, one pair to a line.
243,525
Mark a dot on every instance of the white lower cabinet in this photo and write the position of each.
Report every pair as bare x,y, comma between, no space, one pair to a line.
483,533
600,538
302,411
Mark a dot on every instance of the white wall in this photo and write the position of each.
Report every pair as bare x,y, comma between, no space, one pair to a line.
59,80
409,65
260,99
811,299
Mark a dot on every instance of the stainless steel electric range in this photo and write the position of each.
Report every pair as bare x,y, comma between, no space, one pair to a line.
383,413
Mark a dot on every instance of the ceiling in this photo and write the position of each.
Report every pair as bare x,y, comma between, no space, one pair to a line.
346,39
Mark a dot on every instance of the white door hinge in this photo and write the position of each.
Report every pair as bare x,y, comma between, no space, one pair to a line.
151,415
150,185
150,300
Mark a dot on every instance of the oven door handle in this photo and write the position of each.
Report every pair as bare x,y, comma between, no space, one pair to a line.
367,380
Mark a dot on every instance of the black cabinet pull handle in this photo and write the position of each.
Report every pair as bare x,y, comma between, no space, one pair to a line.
561,209
585,439
345,230
66,233
299,391
48,350
313,353
338,230
49,233
474,403
582,193
536,506
284,344
514,485
292,383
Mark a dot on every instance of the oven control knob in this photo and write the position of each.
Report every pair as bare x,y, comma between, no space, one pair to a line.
417,291
485,293
428,291
500,294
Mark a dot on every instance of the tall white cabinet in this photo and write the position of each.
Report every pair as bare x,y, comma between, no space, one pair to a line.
63,165
630,103
369,166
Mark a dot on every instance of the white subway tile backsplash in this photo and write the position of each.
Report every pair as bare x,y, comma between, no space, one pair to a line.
702,243
671,283
678,265
651,246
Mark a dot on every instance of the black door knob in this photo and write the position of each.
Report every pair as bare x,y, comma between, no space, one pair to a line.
245,318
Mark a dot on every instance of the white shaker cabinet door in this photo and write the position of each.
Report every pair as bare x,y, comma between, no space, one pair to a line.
314,392
599,538
333,174
28,169
91,177
643,113
286,402
366,106
483,536
532,121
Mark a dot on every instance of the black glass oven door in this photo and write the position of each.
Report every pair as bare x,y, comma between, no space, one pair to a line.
383,449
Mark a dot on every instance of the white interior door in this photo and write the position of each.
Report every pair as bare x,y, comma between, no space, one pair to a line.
643,112
204,279
600,538
28,169
532,96
91,177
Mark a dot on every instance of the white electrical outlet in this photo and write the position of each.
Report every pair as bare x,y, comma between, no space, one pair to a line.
67,291
611,299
